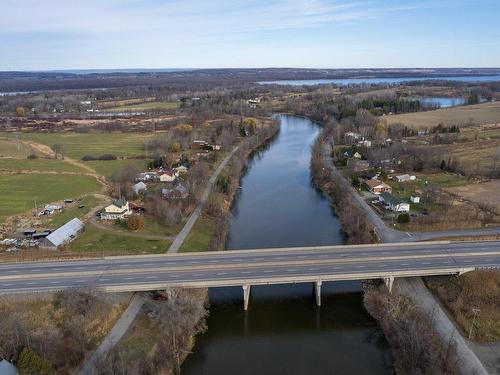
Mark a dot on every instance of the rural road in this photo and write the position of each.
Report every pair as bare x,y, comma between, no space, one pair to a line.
181,237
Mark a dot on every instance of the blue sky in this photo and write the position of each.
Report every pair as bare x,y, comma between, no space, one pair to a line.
89,34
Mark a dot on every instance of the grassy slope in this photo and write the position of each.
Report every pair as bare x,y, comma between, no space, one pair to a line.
95,240
199,237
107,167
486,113
143,107
38,165
18,192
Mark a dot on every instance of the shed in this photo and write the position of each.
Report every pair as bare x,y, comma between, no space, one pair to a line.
64,234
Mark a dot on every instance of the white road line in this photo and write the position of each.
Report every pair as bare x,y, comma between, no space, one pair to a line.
128,278
198,274
404,264
6,284
55,282
269,271
291,270
13,271
31,283
221,273
360,266
35,270
151,277
313,269
426,263
245,272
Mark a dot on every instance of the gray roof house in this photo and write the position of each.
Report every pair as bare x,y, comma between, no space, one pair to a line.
139,187
64,234
179,191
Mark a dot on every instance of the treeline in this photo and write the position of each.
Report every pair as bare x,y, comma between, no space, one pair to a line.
416,347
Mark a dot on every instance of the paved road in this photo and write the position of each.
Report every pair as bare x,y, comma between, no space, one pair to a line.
181,237
259,266
386,234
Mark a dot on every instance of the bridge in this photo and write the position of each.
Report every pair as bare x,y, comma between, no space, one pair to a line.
245,268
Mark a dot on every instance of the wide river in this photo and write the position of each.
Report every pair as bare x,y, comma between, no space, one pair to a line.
284,332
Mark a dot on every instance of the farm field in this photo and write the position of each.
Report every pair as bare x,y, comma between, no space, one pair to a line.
50,165
77,145
18,192
149,106
485,193
10,148
476,155
95,240
485,113
106,168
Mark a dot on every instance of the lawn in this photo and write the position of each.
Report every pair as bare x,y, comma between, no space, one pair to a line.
486,113
50,165
77,145
18,193
96,240
200,236
106,168
149,106
58,219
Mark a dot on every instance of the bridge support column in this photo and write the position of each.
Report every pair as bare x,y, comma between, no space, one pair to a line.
317,292
388,282
246,296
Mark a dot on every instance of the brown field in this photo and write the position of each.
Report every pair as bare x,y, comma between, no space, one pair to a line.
486,113
476,156
123,102
486,193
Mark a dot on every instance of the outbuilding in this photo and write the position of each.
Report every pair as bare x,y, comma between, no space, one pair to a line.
64,234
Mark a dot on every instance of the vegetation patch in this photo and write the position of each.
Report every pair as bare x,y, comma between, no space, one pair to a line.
149,106
44,165
19,193
200,236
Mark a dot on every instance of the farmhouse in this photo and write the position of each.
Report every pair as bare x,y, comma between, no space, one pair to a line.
63,235
168,175
393,203
378,187
118,210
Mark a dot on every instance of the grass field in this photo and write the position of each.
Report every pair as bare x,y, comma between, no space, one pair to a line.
50,165
9,147
486,113
76,145
18,192
149,106
98,241
106,168
199,237
58,219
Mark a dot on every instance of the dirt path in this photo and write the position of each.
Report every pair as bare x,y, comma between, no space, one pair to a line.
116,333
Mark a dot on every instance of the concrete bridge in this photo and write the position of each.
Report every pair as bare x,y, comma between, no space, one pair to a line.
245,268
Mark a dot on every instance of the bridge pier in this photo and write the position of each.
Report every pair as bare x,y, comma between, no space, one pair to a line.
246,296
388,282
317,292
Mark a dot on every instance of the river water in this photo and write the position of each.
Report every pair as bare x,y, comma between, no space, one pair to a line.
284,332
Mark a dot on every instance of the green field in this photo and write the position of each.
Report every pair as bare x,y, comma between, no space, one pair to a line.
96,240
77,145
200,236
149,106
106,168
19,192
9,147
58,219
50,165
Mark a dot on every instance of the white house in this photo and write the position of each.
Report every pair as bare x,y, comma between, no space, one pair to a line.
168,176
394,204
405,178
181,169
378,187
119,209
139,187
415,198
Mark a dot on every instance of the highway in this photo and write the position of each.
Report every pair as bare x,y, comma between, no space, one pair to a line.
251,267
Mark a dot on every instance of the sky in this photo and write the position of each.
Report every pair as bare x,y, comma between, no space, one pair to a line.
111,34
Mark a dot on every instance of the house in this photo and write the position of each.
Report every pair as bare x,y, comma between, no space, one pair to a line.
199,144
405,178
181,169
358,165
378,187
168,175
365,143
179,191
29,232
139,187
119,209
40,235
64,234
415,198
393,203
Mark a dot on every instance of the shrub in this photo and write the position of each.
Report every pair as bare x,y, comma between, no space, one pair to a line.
102,157
31,363
135,222
33,155
404,218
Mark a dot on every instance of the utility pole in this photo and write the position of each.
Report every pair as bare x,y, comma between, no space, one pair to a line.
475,312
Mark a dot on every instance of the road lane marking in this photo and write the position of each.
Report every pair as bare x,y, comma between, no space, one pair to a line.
268,271
6,284
151,277
221,273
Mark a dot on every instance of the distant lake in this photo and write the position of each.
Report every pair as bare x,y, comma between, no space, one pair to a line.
442,101
390,81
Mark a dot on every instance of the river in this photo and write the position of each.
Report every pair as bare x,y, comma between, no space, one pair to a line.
284,332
